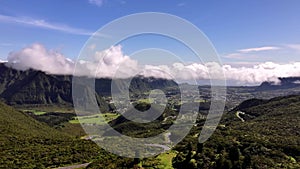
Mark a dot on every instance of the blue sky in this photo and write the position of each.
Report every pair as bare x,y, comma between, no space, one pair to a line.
243,32
230,25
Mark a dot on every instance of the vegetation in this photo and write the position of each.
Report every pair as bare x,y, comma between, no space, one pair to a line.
142,130
27,143
35,112
269,138
166,160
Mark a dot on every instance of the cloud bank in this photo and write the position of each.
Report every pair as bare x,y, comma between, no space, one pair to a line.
38,57
113,61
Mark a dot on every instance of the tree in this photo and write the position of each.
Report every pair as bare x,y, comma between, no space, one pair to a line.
185,160
200,148
178,161
136,160
247,162
234,154
189,152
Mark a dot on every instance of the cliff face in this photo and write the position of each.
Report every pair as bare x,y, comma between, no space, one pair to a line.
36,87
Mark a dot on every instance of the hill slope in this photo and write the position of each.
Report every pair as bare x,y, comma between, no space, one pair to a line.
266,131
256,134
18,124
27,143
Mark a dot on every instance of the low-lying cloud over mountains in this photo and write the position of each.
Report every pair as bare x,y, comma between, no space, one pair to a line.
38,57
113,61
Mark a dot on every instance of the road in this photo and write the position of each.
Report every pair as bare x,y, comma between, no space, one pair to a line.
238,115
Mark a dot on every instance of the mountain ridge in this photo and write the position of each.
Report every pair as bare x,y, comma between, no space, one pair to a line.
20,87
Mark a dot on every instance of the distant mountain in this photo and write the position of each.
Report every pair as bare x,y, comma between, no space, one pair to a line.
285,83
35,87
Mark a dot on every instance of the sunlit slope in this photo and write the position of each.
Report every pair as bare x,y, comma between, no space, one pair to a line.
16,124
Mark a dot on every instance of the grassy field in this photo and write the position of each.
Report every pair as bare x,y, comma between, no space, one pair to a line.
166,159
148,101
71,126
95,119
35,112
199,100
45,108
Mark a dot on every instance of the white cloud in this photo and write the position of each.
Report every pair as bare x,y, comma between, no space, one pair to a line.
98,3
258,49
111,61
2,61
239,56
279,53
38,57
267,71
105,63
40,23
241,63
252,53
254,75
177,71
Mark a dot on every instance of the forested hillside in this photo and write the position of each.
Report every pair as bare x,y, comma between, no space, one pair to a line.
27,143
256,134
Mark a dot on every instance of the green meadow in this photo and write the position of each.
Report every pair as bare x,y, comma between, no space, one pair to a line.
95,119
166,159
36,112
